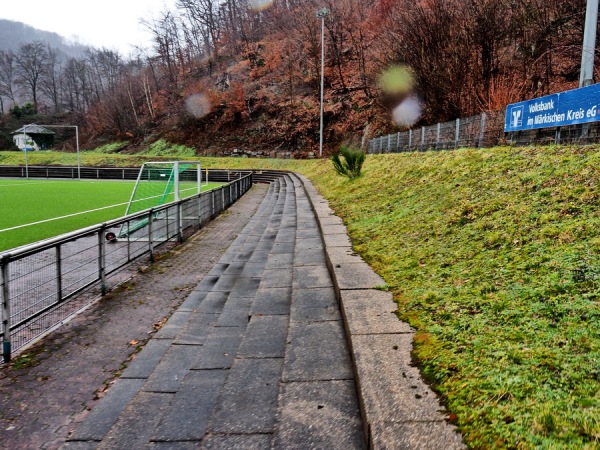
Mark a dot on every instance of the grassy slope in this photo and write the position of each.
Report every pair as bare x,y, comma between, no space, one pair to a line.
493,256
88,158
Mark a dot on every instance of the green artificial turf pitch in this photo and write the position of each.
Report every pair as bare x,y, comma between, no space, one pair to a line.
28,201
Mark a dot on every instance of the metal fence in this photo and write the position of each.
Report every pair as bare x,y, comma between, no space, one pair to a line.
101,173
40,284
485,130
88,173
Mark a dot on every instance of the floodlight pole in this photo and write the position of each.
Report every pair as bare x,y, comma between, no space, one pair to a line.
588,54
321,14
586,76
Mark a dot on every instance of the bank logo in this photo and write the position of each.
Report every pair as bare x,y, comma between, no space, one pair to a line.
516,116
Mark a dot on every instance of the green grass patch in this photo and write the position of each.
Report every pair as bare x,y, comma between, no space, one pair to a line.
29,201
163,148
112,147
107,159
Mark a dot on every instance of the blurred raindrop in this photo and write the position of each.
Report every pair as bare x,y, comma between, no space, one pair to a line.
397,80
197,105
259,5
407,113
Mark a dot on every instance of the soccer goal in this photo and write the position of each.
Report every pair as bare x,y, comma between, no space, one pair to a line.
159,183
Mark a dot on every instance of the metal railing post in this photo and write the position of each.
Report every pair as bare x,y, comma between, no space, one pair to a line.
179,223
167,235
481,130
437,136
150,235
199,209
422,138
58,274
409,139
457,133
128,246
6,346
102,261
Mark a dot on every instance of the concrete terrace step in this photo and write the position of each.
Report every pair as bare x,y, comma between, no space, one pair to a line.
276,348
256,357
399,410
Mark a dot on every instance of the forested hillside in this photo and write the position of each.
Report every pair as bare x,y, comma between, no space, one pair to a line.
246,73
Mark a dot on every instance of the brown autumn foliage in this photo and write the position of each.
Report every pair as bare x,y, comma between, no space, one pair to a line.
260,69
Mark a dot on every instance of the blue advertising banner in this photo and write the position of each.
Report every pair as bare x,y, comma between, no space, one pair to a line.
557,110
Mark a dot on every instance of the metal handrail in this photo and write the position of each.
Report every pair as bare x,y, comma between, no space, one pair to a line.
38,280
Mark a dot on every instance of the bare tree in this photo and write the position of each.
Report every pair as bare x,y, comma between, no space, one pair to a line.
50,82
201,24
75,85
105,68
31,61
7,77
168,45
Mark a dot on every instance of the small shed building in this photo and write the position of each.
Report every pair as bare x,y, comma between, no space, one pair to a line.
33,137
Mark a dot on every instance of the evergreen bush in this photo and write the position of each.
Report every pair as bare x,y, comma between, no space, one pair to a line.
348,161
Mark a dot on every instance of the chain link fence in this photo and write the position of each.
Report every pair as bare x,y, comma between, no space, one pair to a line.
481,131
41,284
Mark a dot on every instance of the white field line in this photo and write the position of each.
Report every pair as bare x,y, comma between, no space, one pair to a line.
46,182
62,217
27,184
75,214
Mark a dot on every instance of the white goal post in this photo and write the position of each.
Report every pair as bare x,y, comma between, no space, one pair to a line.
161,182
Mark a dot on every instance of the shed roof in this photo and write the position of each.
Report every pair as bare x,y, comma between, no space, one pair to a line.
33,129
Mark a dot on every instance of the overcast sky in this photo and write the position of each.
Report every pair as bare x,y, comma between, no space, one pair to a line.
113,24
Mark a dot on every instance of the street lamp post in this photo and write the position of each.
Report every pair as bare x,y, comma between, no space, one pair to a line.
588,53
321,14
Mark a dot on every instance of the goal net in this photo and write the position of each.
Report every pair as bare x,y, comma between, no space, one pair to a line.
159,183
